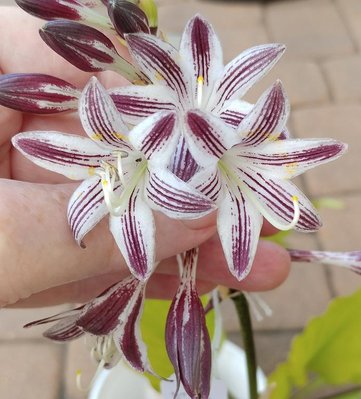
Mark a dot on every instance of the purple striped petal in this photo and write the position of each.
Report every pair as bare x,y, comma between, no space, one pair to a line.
182,164
274,199
56,317
267,120
244,71
134,233
201,48
187,339
239,225
208,137
86,208
86,48
289,158
208,182
156,137
351,260
170,195
128,339
127,17
159,62
64,330
75,10
73,156
234,112
100,118
135,103
107,312
37,93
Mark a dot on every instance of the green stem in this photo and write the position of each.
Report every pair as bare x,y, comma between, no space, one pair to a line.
244,316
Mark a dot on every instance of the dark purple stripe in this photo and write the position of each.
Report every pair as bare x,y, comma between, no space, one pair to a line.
232,118
58,155
201,48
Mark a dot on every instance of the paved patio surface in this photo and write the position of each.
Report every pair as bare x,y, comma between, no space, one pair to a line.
322,75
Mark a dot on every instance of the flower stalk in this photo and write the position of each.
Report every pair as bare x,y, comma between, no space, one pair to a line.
244,316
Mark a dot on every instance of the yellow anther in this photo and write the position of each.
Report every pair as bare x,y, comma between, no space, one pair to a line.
91,171
200,84
104,183
200,80
158,76
78,373
96,136
295,198
119,136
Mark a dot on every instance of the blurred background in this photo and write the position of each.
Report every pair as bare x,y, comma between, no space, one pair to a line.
321,72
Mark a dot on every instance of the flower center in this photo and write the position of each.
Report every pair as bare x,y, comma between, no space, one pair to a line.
235,182
113,181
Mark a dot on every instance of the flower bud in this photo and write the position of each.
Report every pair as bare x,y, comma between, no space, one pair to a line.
127,17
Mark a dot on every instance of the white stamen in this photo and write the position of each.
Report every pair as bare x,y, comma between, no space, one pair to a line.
258,306
120,169
200,84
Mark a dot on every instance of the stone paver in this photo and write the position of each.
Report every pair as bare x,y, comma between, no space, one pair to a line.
309,28
13,320
78,359
303,81
351,11
342,233
335,121
30,371
343,75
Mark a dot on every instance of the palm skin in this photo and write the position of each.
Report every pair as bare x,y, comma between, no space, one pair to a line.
40,263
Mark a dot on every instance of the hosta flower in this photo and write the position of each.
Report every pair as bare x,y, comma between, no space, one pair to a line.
193,77
124,174
113,319
350,260
248,169
187,339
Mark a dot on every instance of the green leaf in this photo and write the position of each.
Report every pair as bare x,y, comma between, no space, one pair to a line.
153,327
328,350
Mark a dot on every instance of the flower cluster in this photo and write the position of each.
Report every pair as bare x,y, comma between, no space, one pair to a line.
180,140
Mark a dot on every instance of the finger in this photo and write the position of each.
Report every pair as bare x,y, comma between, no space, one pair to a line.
37,250
270,269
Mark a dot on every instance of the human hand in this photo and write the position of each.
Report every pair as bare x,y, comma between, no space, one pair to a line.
40,263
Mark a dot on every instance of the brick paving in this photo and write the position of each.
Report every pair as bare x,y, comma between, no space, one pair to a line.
321,72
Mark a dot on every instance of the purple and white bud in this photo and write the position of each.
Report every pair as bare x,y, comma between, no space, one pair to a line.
187,339
37,93
86,48
127,17
74,10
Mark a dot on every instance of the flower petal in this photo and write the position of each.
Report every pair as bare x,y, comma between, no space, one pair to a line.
135,103
100,118
187,339
208,137
234,112
200,47
86,208
239,225
37,93
128,338
159,62
134,233
182,164
170,195
104,314
86,48
73,156
266,121
64,330
274,199
286,159
244,71
208,182
156,137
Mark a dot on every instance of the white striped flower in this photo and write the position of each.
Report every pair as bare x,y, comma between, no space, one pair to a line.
247,171
124,174
193,77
